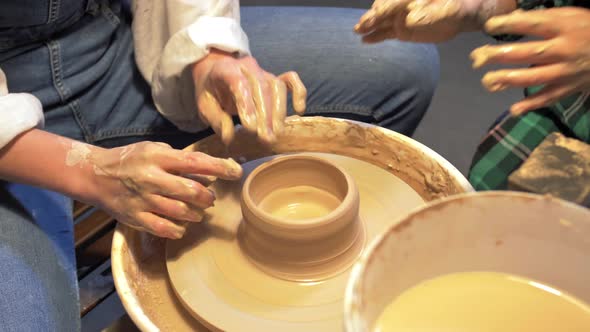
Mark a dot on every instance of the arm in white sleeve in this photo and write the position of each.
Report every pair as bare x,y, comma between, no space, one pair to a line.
19,112
170,36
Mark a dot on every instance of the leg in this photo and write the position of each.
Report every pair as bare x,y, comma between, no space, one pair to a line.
38,278
389,84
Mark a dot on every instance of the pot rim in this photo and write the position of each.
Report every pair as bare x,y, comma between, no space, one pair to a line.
345,205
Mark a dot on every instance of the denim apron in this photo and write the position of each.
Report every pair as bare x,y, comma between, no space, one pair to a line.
77,57
26,21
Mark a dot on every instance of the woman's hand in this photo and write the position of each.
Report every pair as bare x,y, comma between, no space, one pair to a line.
561,58
142,185
228,85
427,20
148,186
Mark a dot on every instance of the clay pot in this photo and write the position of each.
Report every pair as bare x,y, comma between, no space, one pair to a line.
308,249
536,237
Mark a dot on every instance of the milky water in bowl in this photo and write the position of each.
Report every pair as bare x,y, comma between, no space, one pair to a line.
299,203
484,302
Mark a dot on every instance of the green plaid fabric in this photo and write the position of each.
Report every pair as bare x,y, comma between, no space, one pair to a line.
512,139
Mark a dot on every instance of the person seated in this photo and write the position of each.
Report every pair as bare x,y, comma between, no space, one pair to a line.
98,95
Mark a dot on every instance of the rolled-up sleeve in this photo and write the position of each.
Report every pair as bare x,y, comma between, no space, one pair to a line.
172,35
19,112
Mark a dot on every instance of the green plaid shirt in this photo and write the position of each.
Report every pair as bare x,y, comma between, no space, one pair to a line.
512,139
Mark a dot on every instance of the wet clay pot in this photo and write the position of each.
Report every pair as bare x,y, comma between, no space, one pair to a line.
301,218
536,237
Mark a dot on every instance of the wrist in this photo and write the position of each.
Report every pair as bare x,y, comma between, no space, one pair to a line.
84,184
204,64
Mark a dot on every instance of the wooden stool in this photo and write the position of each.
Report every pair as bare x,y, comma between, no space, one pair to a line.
93,234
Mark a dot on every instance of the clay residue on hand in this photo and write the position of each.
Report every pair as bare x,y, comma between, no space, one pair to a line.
263,128
233,169
126,151
78,154
99,171
480,56
492,82
505,23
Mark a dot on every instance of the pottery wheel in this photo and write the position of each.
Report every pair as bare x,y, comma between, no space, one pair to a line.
220,287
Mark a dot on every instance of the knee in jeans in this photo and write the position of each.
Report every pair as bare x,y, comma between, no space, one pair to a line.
406,81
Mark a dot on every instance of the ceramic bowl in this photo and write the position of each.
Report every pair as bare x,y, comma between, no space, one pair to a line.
302,249
528,235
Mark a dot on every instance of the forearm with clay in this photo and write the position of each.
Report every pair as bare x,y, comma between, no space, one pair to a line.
137,184
42,159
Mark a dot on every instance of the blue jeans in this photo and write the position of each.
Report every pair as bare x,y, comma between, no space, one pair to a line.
86,78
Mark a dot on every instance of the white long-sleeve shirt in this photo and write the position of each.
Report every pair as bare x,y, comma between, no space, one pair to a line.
169,35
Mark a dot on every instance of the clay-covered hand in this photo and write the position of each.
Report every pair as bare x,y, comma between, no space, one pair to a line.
141,185
424,20
561,57
228,84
